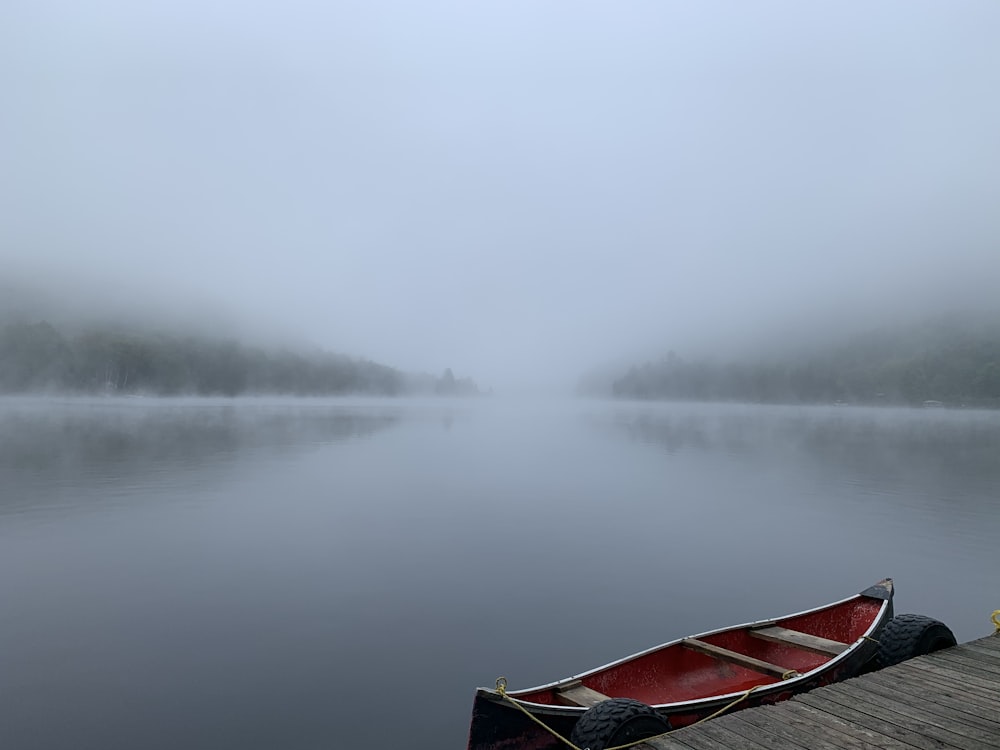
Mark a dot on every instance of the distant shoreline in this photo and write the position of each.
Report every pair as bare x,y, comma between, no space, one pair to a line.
951,361
35,357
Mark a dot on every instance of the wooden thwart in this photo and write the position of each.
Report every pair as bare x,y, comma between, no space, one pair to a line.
724,654
577,694
804,641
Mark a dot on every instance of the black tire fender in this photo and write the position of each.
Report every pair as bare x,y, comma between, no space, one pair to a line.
906,636
617,722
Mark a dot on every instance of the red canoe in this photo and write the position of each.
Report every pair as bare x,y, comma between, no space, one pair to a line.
692,678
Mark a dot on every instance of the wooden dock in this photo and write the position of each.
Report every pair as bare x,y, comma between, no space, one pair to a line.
948,699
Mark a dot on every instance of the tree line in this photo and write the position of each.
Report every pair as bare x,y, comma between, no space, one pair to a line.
954,360
35,356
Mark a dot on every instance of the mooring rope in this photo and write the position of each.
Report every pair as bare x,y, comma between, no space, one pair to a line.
726,708
502,692
996,619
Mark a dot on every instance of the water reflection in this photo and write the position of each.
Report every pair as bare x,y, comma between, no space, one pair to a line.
91,443
876,444
821,495
256,574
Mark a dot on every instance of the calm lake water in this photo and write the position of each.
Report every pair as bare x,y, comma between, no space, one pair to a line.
323,574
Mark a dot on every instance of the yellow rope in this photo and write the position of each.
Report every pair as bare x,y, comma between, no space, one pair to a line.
502,692
726,708
996,619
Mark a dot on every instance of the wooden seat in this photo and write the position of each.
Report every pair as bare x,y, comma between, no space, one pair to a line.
724,654
575,693
804,641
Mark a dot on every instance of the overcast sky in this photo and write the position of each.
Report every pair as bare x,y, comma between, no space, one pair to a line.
507,188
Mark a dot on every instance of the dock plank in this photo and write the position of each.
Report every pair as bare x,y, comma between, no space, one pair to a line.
939,671
862,703
980,651
971,651
794,729
679,740
857,732
980,645
965,687
714,731
900,734
991,642
966,661
964,667
943,702
773,738
918,714
929,711
732,739
948,700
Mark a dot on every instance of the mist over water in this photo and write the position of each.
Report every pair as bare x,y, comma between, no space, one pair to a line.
516,192
255,573
768,202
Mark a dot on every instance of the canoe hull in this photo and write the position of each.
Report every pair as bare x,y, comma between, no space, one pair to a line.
498,725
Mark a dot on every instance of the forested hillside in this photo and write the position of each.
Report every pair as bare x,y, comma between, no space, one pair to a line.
35,356
953,359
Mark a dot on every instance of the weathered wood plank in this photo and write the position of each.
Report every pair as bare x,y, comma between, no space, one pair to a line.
942,665
724,654
577,694
685,740
970,662
938,699
968,687
807,642
795,730
920,713
931,710
949,700
968,658
734,741
962,666
991,642
695,742
823,701
974,648
856,732
710,736
747,731
978,651
773,738
978,699
978,647
940,670
892,714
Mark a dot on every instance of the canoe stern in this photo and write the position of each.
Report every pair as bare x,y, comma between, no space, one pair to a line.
497,725
881,590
